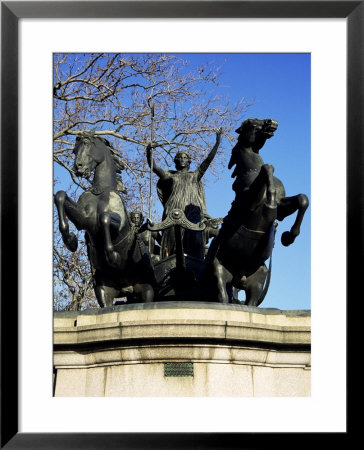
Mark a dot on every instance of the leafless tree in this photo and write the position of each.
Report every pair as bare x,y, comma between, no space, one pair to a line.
132,100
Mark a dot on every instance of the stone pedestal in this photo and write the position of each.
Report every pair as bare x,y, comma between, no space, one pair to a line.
176,349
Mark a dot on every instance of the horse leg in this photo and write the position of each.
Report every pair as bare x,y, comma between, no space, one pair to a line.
108,222
263,189
104,294
221,279
254,286
286,207
270,205
69,239
231,290
145,292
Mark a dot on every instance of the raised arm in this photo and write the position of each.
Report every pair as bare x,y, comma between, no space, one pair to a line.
156,169
205,164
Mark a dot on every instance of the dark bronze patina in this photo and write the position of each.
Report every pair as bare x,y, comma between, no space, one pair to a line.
171,260
181,189
246,239
121,260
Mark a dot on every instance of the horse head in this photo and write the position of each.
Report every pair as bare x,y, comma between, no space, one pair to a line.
89,152
254,132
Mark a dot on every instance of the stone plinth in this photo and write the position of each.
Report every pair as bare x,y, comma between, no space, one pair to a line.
227,350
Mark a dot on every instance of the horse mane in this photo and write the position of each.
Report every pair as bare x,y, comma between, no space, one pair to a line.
233,159
119,165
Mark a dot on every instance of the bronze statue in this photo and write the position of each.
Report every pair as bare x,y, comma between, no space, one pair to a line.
151,239
133,259
246,238
121,262
211,230
182,189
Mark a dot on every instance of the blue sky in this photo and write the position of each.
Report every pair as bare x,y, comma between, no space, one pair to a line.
279,86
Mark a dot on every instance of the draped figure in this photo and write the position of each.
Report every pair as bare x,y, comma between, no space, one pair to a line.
183,189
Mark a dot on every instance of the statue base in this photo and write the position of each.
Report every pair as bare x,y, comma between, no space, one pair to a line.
178,349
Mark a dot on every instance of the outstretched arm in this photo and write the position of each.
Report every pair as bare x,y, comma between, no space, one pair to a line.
205,164
156,169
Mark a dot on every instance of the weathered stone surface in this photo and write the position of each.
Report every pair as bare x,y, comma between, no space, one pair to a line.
235,350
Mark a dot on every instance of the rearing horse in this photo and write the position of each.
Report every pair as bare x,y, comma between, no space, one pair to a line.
237,255
120,259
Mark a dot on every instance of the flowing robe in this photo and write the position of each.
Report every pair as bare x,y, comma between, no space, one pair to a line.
183,190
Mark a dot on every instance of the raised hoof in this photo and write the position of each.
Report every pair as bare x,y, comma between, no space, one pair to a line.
287,238
71,242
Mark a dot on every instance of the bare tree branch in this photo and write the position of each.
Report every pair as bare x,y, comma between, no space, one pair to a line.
114,93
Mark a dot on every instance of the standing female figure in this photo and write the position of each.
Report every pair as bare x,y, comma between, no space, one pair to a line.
182,189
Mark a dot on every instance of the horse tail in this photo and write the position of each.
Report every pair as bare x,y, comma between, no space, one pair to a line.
267,283
233,157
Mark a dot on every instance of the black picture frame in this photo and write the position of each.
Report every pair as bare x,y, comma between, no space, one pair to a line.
11,12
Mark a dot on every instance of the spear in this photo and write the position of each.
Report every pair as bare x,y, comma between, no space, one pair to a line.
151,161
151,174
